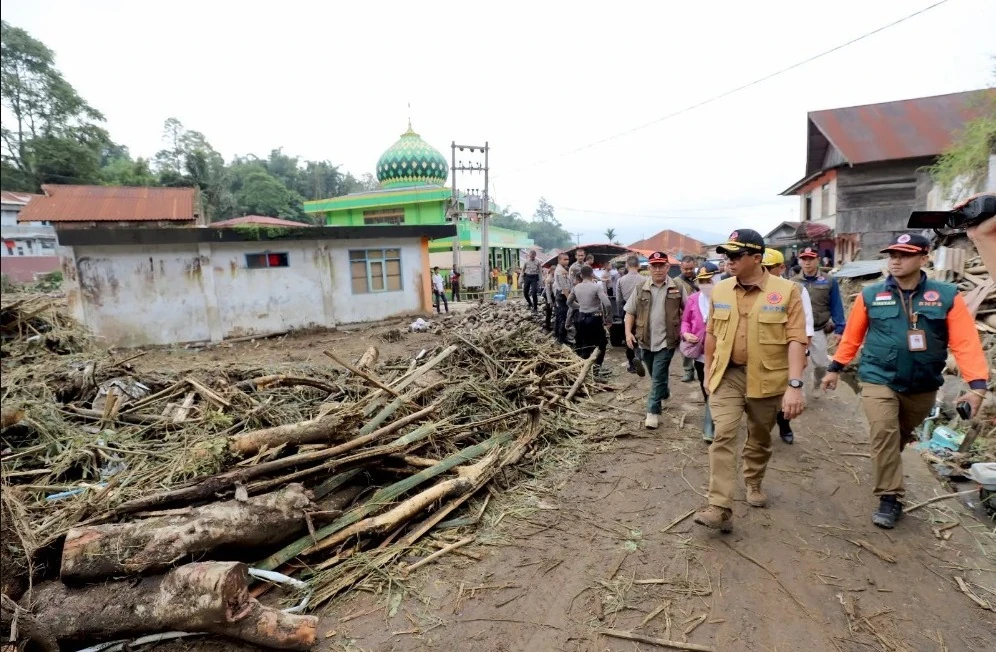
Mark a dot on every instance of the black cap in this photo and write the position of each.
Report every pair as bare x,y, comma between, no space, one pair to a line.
740,240
908,243
706,270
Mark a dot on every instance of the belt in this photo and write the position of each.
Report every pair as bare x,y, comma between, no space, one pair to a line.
591,314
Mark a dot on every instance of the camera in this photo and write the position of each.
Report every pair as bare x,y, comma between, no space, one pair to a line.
972,211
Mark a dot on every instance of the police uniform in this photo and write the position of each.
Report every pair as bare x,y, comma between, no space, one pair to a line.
753,327
592,305
904,337
531,279
561,288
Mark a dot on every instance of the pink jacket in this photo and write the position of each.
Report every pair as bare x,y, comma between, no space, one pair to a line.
693,322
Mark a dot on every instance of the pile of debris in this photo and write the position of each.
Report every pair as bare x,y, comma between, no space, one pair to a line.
138,504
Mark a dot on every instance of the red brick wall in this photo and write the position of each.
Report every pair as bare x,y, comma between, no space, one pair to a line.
23,268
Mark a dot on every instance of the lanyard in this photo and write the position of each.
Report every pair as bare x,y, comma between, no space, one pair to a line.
910,315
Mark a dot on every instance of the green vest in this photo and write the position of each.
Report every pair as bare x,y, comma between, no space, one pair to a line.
819,296
885,357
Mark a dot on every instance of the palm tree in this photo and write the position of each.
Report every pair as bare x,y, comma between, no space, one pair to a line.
610,235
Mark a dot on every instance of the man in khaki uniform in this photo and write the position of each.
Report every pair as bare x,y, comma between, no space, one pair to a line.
755,353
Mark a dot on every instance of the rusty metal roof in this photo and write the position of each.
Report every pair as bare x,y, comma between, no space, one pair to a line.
916,128
261,220
670,242
12,197
111,204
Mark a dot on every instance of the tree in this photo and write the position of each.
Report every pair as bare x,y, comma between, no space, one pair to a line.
49,133
189,160
261,193
964,166
545,229
610,235
507,218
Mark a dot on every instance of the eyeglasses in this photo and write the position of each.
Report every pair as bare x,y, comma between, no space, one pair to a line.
735,255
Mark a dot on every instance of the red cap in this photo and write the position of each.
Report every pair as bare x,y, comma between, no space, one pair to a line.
809,252
658,258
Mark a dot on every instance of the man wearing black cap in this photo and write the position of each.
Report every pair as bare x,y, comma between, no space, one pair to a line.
906,323
828,309
653,321
687,277
755,353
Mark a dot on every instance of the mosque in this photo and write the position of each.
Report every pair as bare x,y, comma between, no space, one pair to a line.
413,177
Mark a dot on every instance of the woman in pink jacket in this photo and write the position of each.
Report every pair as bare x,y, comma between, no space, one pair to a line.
693,332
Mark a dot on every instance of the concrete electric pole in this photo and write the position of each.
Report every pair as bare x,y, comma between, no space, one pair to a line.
484,213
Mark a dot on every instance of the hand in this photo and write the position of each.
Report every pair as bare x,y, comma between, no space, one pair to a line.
830,381
986,228
690,337
972,399
630,340
793,403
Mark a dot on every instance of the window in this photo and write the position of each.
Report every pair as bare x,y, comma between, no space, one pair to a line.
266,259
384,216
825,200
807,207
375,270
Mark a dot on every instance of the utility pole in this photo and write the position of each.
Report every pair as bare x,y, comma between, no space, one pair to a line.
455,211
578,236
484,213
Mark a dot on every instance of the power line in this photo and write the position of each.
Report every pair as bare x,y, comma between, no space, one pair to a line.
727,93
707,209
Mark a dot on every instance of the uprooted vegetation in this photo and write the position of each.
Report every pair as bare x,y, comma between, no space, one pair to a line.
332,474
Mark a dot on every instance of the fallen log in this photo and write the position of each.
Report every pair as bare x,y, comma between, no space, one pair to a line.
153,544
208,597
20,627
368,359
303,432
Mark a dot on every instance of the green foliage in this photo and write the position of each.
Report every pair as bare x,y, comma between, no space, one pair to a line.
49,133
610,235
264,194
545,229
966,163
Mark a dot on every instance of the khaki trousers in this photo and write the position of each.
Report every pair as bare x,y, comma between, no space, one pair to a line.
728,403
892,418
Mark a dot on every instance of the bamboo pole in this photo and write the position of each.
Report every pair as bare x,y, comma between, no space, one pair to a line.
584,374
362,374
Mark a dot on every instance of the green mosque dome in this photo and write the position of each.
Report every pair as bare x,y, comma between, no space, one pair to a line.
411,162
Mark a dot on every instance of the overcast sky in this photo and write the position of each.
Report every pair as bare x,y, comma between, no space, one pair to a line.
537,80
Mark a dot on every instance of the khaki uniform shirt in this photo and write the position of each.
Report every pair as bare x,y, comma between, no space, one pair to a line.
658,312
561,284
531,267
747,297
590,297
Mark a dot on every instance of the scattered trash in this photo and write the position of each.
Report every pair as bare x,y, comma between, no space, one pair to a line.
420,325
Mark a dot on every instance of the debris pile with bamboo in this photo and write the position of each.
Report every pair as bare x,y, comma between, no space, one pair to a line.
127,492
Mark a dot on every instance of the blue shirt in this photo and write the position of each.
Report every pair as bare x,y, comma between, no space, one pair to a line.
836,303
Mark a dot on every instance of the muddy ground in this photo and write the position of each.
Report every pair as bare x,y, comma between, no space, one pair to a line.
607,543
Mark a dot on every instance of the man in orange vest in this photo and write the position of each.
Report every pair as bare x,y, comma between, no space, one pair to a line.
755,353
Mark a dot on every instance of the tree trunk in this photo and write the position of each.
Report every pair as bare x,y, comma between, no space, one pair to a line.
323,429
19,625
202,597
153,544
368,359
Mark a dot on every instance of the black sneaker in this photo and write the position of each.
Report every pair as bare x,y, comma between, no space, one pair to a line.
631,368
788,437
641,369
889,511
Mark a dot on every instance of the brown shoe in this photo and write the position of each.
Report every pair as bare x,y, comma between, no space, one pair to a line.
756,496
717,518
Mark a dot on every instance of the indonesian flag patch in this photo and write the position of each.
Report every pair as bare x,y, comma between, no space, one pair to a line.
883,296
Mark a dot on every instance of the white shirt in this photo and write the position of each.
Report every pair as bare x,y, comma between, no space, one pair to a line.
807,307
437,283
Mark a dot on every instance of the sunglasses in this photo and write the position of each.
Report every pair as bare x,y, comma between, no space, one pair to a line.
735,255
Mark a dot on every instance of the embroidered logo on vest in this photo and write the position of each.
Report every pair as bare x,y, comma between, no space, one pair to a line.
931,295
773,298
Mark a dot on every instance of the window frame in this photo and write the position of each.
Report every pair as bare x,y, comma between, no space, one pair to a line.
384,216
267,256
379,258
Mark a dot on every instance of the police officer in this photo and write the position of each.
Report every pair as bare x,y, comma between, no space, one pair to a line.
828,308
653,321
755,354
625,287
906,324
561,288
593,308
687,278
531,280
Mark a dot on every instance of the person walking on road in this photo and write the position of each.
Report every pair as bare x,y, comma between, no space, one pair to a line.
904,327
590,301
693,335
653,321
828,309
531,280
774,262
438,290
548,299
625,287
687,278
561,288
755,353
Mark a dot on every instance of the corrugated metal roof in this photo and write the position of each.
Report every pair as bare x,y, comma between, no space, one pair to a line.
111,204
11,197
916,128
670,242
261,220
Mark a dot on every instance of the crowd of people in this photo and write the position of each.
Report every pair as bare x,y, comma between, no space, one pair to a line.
747,330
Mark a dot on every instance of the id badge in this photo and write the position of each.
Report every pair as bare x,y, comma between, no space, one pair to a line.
916,340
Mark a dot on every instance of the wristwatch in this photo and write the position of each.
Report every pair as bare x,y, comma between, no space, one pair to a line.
795,383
